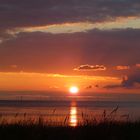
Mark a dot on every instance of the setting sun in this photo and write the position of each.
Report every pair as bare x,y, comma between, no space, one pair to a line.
74,90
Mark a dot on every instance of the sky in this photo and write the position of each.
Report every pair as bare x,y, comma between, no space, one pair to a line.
52,45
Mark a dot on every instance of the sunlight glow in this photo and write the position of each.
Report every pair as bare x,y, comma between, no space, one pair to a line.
73,117
74,89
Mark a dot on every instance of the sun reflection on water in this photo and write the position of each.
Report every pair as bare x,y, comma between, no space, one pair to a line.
73,115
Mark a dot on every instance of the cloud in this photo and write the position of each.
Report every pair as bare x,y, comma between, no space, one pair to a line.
65,16
43,12
129,81
122,67
90,68
79,27
60,53
138,65
112,86
13,66
89,87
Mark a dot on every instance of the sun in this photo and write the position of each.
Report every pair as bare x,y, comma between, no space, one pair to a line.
74,90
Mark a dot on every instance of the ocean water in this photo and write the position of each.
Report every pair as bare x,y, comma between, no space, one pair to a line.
70,110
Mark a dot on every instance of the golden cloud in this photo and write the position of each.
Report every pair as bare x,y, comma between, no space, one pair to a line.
138,65
90,68
122,67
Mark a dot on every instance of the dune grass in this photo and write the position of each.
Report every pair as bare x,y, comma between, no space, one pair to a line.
105,129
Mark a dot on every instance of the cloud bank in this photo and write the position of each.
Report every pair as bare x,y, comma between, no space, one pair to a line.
13,13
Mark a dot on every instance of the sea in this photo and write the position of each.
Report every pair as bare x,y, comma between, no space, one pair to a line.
64,109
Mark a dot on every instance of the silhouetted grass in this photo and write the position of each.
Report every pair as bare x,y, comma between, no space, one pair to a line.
104,130
91,128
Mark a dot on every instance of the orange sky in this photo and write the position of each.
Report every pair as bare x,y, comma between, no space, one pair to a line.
43,81
55,82
53,45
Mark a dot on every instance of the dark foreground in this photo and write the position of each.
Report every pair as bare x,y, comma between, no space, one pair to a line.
100,131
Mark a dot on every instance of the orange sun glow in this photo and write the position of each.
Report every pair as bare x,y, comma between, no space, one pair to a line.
74,90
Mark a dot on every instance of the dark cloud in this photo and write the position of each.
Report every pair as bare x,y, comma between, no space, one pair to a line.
89,87
15,13
29,13
62,52
112,86
130,81
90,68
